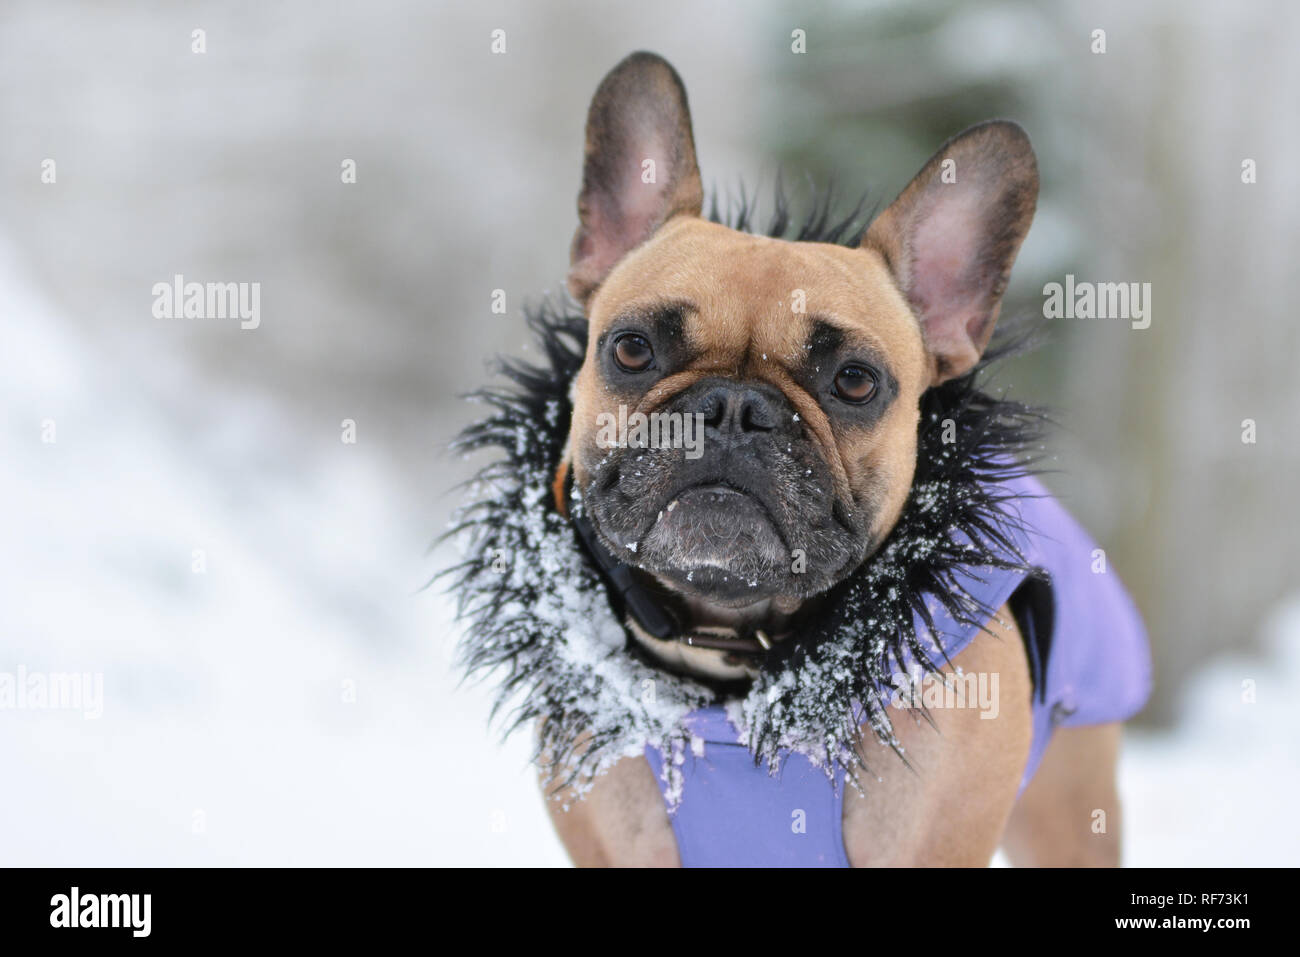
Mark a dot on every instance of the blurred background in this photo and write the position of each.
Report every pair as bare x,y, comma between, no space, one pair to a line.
181,515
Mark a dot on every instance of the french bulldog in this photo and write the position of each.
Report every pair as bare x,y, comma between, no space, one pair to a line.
805,364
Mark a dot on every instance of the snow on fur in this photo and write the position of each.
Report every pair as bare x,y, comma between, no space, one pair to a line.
537,618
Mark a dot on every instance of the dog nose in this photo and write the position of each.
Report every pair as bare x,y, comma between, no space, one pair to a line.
735,408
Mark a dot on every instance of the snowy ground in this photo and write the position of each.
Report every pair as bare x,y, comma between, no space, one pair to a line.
228,735
225,736
1221,790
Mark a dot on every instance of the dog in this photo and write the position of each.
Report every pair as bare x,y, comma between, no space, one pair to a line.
807,366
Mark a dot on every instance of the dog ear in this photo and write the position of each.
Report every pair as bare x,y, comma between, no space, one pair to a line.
951,236
639,168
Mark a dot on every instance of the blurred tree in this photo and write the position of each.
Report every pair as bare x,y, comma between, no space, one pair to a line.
1128,183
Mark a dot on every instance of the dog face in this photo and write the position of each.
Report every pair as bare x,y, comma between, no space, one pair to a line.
796,367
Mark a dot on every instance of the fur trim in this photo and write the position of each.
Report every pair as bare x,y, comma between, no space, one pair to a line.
536,613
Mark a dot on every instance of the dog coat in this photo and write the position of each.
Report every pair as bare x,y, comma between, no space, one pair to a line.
551,615
1088,656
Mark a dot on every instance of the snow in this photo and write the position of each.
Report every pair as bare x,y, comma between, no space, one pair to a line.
295,704
1220,790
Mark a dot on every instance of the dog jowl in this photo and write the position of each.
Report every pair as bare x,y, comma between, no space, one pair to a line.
805,362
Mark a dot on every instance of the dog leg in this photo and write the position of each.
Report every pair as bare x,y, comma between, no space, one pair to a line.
950,806
619,822
1069,816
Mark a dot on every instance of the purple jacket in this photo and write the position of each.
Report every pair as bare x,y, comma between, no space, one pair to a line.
1088,656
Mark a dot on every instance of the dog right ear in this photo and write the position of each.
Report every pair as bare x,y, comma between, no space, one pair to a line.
951,236
639,169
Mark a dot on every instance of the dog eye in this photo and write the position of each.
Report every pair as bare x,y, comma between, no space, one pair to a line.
633,352
855,384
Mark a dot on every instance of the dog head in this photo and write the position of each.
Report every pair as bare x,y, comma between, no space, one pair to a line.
745,420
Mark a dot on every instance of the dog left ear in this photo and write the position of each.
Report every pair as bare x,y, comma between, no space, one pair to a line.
951,236
639,169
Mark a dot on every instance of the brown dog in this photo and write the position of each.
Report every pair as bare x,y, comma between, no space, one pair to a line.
807,363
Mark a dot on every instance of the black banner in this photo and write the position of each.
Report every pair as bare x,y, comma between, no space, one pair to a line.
99,906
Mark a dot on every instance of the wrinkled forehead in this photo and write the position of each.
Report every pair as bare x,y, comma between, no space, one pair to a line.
733,293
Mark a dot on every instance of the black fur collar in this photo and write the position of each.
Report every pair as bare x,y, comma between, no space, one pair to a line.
537,616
